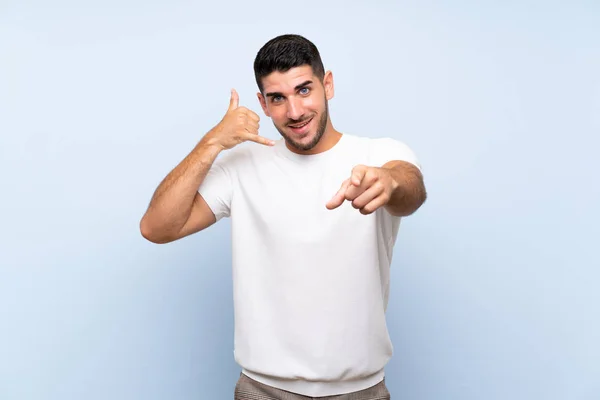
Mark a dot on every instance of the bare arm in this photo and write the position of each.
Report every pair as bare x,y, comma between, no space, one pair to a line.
397,185
177,209
408,192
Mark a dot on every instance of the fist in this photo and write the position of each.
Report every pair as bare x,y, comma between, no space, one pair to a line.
238,125
368,188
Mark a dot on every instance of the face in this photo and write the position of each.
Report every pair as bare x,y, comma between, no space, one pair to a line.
296,101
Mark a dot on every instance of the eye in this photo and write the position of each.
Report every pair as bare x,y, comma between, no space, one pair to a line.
304,90
277,98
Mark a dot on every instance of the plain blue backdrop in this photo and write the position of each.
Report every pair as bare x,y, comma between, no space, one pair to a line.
495,281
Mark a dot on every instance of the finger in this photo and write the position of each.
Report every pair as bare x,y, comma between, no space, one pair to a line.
339,197
367,196
358,173
259,139
234,100
252,116
374,204
365,176
252,126
353,191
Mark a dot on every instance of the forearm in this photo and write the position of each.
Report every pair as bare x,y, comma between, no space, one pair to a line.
171,204
409,191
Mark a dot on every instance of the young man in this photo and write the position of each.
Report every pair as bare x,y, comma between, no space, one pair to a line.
314,219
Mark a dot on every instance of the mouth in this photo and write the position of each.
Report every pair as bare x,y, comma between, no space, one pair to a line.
301,127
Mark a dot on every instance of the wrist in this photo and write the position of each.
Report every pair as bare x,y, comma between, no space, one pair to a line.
211,142
207,150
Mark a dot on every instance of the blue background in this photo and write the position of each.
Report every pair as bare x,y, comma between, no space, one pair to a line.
495,281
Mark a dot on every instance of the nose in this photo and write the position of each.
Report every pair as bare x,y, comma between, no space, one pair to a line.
294,109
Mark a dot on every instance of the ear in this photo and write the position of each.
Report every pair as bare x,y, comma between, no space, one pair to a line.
263,103
328,84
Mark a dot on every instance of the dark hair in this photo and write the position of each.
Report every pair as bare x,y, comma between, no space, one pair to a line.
285,52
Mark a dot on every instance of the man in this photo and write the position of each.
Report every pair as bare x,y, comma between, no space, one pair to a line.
314,218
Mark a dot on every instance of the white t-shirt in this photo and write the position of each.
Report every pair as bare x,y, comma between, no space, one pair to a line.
310,285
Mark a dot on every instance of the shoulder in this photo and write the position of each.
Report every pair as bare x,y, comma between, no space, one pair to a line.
385,148
375,143
383,143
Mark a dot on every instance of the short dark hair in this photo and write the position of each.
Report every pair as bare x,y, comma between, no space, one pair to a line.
285,52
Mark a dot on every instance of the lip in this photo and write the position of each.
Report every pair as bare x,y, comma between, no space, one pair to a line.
302,129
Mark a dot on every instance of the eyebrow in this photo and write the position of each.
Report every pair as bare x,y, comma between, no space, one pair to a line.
300,86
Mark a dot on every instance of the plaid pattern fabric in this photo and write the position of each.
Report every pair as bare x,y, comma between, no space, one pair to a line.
249,389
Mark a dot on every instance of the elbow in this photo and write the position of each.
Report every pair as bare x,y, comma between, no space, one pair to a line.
150,233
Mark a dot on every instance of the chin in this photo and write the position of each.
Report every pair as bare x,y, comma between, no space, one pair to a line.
305,143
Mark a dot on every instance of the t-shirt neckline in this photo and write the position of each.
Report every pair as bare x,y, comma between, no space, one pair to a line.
283,150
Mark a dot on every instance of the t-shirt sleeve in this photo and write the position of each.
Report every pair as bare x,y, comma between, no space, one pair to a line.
216,189
384,150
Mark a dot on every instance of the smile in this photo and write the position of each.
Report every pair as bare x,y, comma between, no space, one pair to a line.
301,125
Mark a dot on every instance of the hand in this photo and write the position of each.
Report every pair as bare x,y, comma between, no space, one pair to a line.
238,125
369,188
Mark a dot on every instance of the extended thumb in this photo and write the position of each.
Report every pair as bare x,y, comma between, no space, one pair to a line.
235,98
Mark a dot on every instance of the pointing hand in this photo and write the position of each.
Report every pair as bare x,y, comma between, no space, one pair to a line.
368,188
